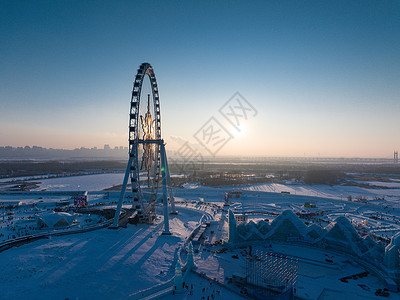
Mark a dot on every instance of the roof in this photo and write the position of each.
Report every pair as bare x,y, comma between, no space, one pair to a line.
56,219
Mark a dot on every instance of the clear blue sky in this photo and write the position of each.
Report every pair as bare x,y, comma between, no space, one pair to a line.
324,76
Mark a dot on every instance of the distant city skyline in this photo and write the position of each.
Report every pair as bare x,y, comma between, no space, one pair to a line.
121,152
322,76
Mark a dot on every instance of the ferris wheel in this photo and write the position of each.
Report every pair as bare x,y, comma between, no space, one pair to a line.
147,162
144,129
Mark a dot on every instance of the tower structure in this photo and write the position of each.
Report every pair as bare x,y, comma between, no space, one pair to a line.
190,260
232,232
396,157
178,280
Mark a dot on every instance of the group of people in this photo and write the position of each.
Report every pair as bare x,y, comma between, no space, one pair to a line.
205,290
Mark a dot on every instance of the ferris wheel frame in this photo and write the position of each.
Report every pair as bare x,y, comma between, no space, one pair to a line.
146,209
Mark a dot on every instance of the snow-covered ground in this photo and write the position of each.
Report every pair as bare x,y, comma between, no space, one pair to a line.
317,278
336,191
114,264
103,264
97,182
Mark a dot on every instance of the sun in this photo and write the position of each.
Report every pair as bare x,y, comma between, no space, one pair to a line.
239,131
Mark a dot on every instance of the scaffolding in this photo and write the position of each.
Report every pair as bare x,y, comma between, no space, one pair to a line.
270,273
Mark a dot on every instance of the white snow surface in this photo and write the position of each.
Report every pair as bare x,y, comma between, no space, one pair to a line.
113,264
326,191
95,182
103,264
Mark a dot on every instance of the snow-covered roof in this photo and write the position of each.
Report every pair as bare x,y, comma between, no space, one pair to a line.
290,216
53,219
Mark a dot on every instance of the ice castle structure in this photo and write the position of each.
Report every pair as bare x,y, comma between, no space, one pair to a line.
392,258
232,233
339,235
178,280
190,260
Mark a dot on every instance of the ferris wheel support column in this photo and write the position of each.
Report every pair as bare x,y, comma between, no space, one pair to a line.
121,195
169,185
164,187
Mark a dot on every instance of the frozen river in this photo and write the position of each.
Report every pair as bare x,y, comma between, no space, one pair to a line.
95,182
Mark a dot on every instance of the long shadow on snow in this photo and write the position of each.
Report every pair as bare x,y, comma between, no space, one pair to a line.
138,245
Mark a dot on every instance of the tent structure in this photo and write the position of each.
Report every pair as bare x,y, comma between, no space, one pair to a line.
55,220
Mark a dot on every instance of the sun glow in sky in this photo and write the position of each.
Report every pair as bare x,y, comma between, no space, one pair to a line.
324,76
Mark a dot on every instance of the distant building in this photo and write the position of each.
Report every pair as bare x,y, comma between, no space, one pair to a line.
234,194
310,205
11,204
80,200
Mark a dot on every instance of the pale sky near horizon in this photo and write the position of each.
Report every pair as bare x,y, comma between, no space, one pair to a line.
323,76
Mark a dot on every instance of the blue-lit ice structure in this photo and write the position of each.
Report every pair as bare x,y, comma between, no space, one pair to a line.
339,236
